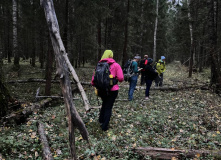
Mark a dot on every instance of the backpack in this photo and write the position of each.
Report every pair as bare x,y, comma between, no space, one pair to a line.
128,70
101,76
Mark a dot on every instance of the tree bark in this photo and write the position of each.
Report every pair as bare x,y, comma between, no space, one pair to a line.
215,67
125,56
155,33
48,72
66,24
74,119
44,142
99,38
4,94
191,40
15,34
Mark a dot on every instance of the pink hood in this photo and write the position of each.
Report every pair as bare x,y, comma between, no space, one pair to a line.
115,70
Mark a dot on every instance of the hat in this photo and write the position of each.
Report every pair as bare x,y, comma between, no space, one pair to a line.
150,60
137,57
162,57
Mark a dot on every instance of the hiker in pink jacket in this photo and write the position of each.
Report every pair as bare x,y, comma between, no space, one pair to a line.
108,98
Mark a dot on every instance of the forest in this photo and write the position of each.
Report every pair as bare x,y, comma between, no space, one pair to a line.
49,50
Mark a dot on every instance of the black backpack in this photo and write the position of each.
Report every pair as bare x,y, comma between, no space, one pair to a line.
128,70
101,76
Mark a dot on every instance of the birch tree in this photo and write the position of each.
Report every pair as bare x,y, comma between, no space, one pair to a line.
155,32
191,40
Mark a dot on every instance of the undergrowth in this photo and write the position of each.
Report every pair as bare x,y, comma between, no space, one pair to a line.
185,119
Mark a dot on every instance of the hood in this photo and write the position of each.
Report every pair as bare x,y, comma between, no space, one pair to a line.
107,54
108,60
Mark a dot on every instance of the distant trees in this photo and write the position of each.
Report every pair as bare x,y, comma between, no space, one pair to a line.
200,48
128,27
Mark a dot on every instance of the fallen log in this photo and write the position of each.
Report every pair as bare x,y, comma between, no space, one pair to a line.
172,88
44,142
21,115
165,153
54,97
42,81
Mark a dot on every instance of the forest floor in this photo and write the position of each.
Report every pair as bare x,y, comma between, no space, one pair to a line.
183,119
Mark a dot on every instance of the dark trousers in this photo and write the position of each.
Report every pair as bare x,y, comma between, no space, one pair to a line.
106,109
142,80
159,80
148,85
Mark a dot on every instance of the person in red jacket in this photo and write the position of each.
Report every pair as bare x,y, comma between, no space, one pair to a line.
108,99
143,63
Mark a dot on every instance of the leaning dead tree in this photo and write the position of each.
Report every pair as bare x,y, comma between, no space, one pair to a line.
62,71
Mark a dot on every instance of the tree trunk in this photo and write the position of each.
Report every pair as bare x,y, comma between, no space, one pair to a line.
15,34
74,119
191,40
33,35
125,56
48,72
4,94
66,24
99,38
201,54
155,33
215,67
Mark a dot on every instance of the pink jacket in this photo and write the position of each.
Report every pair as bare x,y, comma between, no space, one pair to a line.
115,70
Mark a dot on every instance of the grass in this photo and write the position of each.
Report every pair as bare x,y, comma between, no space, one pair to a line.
186,119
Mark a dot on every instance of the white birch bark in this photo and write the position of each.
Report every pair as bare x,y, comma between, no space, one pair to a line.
155,32
190,24
191,40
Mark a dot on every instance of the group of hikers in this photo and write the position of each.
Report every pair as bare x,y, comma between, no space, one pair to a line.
108,73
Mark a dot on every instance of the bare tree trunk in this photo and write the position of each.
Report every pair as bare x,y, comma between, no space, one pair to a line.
33,34
191,40
66,24
15,34
155,33
99,38
48,72
4,94
201,59
142,27
215,67
74,119
125,56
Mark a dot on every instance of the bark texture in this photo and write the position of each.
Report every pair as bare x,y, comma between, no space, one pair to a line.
74,119
155,33
44,142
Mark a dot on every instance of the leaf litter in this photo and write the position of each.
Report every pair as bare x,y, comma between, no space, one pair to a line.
185,119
